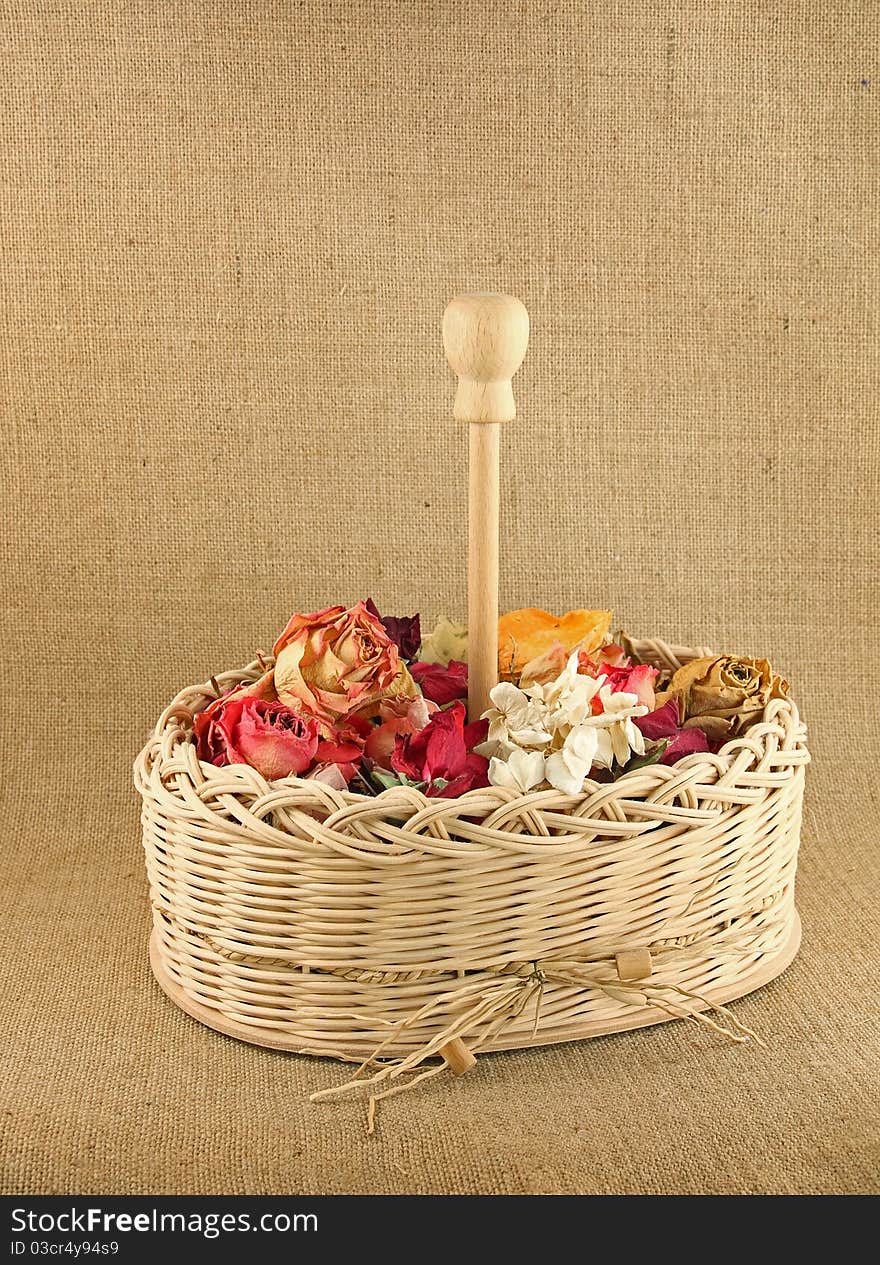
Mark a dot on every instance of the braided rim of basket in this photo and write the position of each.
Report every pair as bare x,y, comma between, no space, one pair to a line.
653,793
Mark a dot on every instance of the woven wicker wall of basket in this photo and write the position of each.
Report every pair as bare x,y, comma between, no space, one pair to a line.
409,933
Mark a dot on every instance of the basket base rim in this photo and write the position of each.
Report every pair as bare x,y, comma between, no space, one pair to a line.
759,975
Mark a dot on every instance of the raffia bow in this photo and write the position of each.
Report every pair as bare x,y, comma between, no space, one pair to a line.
495,1006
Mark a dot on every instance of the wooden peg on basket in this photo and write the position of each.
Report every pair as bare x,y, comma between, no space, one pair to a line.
485,338
458,1056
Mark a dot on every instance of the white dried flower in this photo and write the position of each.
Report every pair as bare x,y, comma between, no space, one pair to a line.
516,720
623,738
568,700
521,771
568,768
549,731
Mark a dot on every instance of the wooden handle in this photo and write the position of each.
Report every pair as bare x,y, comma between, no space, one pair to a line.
485,337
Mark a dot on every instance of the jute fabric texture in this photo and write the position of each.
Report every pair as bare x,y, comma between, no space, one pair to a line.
229,233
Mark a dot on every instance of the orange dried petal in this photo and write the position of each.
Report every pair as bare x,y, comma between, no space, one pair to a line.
525,634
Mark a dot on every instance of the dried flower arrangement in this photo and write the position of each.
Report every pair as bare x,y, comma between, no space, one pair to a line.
359,701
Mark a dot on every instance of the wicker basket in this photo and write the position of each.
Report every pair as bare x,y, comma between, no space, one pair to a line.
394,928
307,919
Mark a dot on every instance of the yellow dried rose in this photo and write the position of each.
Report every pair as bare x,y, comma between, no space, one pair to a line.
527,634
339,663
723,694
447,641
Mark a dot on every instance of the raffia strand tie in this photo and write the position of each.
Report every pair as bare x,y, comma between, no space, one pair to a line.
496,1005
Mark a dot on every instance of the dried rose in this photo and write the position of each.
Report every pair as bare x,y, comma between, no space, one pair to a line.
664,722
397,717
723,694
272,738
638,679
447,641
405,631
338,662
441,685
210,744
441,754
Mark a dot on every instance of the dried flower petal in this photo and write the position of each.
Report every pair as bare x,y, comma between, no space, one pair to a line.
404,631
438,755
441,684
447,641
526,634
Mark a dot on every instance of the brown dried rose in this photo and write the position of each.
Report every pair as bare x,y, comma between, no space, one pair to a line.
723,694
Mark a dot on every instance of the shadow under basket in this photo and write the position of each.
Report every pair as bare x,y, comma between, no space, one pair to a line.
306,919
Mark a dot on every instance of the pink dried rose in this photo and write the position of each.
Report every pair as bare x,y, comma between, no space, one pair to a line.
330,774
397,718
441,685
665,722
211,744
238,728
635,679
550,664
404,630
338,662
441,754
344,748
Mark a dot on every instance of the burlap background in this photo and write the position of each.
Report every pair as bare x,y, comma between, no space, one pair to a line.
229,230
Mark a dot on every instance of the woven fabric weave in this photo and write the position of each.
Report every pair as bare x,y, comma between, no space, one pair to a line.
230,231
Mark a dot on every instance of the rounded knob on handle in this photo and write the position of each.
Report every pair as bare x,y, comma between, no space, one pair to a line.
485,337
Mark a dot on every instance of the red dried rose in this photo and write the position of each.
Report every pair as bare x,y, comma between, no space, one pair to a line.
404,630
441,685
665,723
441,755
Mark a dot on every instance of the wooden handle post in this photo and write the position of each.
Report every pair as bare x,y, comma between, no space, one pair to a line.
485,338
